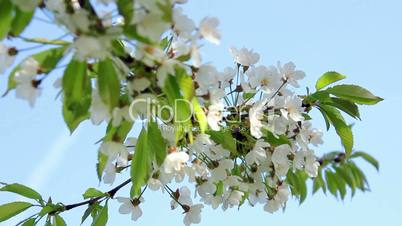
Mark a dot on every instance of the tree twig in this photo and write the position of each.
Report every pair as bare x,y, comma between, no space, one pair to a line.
110,193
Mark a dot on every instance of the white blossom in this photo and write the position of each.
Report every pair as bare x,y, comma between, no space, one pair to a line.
183,25
173,167
150,25
232,198
256,115
99,110
220,173
309,135
244,56
193,215
119,114
279,199
205,189
27,86
6,60
115,150
293,109
209,31
110,173
154,184
290,74
214,116
280,159
184,198
132,207
267,78
91,47
258,153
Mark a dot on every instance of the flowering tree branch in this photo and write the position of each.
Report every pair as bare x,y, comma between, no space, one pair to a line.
243,135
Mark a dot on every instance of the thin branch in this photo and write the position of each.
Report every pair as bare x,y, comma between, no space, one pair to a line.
110,193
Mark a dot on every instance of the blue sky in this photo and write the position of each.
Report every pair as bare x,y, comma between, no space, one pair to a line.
359,38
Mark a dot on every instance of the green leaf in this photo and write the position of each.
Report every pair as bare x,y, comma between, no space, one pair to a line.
340,184
342,129
370,159
88,212
319,183
47,59
108,83
156,142
360,178
346,106
59,221
301,180
6,16
185,83
224,138
182,111
276,140
327,79
22,190
347,176
20,21
118,133
326,119
100,166
331,184
141,164
47,209
200,115
92,193
297,182
355,94
11,209
29,222
102,217
77,94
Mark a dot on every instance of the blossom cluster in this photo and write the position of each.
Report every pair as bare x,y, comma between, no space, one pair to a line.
247,129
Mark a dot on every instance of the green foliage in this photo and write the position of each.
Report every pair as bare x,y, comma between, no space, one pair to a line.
276,140
342,174
29,222
297,183
77,94
354,94
6,17
156,143
92,193
370,159
182,111
59,221
200,115
346,106
141,164
342,129
20,21
11,209
327,79
100,166
224,138
102,217
23,191
108,83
